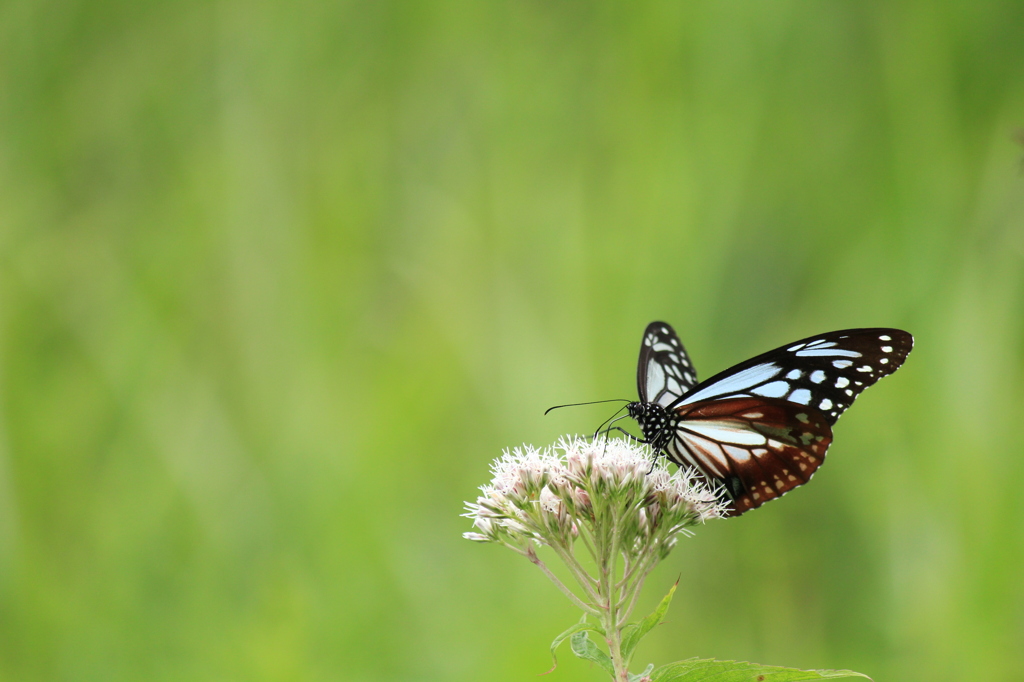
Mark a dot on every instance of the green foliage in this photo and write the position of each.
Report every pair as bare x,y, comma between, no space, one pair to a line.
580,628
634,632
643,676
691,670
589,651
709,670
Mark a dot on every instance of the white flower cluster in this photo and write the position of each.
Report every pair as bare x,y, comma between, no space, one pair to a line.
602,489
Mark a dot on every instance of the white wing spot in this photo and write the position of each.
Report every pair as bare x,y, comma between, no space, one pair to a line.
885,338
738,454
794,374
849,392
841,364
886,349
775,389
842,382
817,376
825,404
800,395
884,361
796,347
865,368
827,353
662,347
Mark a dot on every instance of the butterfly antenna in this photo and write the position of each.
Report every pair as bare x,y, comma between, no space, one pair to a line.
613,400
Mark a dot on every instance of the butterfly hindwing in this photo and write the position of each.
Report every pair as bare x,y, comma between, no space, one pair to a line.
824,372
664,372
756,448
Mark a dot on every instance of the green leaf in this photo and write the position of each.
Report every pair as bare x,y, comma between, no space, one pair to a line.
583,648
710,670
640,676
634,632
582,626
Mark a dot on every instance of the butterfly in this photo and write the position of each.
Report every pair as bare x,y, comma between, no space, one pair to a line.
761,428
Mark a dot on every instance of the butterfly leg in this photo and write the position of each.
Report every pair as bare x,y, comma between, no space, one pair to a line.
598,433
631,437
628,434
618,428
638,440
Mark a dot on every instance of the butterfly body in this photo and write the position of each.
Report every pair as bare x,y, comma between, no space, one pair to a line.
761,428
655,421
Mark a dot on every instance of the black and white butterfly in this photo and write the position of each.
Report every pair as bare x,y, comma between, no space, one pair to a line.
761,428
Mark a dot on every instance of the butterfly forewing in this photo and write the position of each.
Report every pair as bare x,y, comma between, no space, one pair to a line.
824,372
664,372
756,448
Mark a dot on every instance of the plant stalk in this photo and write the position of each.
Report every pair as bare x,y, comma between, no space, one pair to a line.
611,593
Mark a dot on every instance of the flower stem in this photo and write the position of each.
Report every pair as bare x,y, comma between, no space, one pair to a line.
532,556
613,631
609,605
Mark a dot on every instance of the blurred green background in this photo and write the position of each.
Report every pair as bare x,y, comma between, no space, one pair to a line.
279,279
